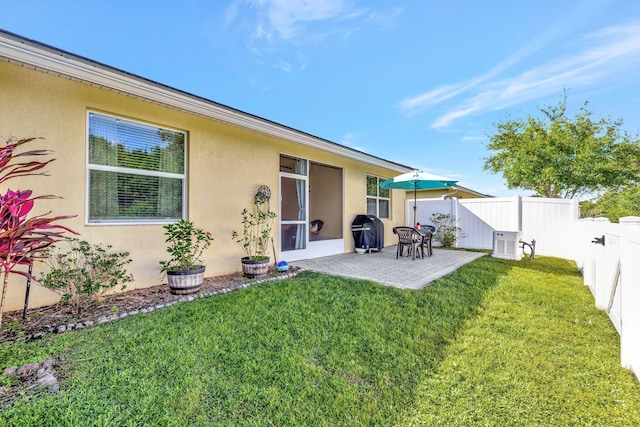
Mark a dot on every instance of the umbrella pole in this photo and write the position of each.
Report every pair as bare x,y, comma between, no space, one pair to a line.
415,202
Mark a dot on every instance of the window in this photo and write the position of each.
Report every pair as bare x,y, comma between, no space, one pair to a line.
136,172
378,199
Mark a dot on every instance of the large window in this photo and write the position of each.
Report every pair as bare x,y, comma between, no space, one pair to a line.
378,199
136,172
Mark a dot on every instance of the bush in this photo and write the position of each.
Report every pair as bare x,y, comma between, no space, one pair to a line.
186,243
446,229
85,272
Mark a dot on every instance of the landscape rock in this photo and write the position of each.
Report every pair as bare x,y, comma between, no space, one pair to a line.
28,369
37,335
46,380
47,364
10,371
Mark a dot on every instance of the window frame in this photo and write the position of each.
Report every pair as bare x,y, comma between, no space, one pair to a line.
143,172
303,223
377,197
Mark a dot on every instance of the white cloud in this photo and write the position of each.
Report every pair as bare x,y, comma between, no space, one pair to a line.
420,102
288,19
603,55
300,22
472,138
435,96
352,140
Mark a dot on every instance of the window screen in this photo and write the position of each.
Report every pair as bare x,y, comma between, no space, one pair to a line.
136,171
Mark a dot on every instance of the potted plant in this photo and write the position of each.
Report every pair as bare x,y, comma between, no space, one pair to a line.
186,243
256,234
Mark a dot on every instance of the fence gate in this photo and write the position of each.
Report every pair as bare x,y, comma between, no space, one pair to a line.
608,282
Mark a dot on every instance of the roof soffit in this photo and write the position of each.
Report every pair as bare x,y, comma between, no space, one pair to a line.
14,49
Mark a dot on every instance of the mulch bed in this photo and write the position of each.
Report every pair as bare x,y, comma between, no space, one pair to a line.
48,319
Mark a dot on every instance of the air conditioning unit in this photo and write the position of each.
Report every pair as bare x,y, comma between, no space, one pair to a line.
506,245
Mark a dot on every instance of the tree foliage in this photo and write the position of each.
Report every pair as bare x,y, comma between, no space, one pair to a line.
614,204
559,156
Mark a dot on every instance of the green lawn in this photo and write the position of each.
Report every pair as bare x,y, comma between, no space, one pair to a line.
496,343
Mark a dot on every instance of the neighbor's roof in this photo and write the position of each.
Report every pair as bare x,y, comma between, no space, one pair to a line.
26,52
461,188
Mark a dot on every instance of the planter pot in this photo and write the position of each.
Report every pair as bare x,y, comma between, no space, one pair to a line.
184,282
254,269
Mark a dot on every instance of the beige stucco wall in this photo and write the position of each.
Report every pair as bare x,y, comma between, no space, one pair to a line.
436,194
225,166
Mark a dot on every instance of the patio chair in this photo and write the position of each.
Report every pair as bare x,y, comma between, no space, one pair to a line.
428,231
409,237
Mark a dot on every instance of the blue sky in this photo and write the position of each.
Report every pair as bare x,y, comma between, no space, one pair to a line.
420,82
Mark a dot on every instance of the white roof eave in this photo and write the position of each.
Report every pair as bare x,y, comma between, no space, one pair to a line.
50,60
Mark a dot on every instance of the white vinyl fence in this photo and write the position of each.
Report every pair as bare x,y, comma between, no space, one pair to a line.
549,221
608,255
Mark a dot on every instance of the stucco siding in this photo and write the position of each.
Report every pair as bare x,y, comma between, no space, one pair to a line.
225,165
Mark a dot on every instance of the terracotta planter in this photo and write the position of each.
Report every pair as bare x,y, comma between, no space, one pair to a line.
254,269
184,282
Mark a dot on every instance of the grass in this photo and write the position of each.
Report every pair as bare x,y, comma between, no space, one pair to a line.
495,343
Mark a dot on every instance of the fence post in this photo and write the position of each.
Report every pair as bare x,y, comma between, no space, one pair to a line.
518,202
456,221
593,271
630,288
576,251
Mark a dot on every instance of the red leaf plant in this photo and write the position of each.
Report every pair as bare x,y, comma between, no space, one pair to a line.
23,239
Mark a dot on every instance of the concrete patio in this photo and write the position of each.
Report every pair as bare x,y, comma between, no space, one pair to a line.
383,267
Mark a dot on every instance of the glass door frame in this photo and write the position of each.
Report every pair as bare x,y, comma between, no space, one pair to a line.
295,253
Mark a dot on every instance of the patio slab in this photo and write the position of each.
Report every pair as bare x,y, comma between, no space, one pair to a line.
383,267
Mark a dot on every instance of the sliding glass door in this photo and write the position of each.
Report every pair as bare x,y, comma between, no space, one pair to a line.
311,209
293,203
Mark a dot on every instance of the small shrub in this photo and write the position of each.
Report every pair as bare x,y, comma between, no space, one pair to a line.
85,272
446,229
186,243
256,228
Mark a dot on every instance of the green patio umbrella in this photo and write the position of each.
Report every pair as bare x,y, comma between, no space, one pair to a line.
417,180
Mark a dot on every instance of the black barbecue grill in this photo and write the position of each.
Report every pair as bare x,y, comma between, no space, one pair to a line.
368,232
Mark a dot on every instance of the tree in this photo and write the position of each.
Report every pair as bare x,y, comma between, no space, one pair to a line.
557,156
613,204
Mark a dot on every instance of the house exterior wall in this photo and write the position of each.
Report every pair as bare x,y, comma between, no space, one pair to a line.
225,165
436,194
